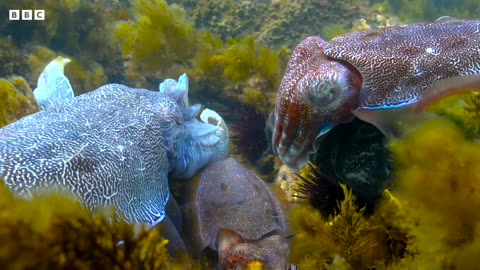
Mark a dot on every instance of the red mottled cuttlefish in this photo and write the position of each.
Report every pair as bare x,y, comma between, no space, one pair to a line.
382,76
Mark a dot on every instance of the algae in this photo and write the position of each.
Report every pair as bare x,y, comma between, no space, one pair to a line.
438,179
350,238
53,230
16,100
158,36
63,234
429,10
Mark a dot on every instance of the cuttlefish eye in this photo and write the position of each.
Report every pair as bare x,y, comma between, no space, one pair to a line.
326,96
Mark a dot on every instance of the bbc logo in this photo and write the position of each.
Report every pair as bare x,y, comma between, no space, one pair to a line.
26,14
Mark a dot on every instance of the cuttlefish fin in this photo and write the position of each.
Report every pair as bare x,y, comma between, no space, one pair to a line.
391,122
170,232
400,120
447,87
173,212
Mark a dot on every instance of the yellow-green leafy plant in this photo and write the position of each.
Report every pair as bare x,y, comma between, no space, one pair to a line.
462,110
438,179
350,238
11,60
158,36
85,79
54,231
242,58
16,100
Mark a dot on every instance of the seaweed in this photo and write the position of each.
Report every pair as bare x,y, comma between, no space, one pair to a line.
240,59
16,100
70,28
421,10
158,34
438,178
350,238
10,57
53,230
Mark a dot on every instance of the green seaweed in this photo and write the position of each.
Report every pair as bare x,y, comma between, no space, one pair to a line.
70,27
242,58
55,231
463,111
158,36
350,238
10,57
16,100
423,10
439,179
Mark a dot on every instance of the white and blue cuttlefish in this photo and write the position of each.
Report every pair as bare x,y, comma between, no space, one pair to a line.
114,146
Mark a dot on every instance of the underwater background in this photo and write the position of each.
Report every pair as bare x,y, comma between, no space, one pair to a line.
235,54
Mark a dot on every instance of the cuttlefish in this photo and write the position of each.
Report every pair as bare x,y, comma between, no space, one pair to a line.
240,218
385,76
115,145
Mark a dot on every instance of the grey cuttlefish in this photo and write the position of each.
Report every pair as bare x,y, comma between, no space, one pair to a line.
385,76
115,145
240,218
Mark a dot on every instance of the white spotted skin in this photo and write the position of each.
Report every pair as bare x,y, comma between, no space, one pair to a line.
109,147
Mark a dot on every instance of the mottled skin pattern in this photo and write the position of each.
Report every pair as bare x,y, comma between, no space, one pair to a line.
305,97
115,145
398,63
376,69
239,217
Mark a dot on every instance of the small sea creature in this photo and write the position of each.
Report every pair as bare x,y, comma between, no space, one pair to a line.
382,76
248,133
114,146
240,217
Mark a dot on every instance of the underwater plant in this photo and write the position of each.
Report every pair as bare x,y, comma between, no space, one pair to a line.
81,29
350,237
428,10
54,232
463,111
158,36
240,59
16,100
10,57
273,23
438,178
